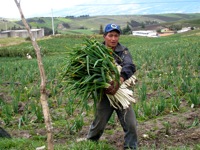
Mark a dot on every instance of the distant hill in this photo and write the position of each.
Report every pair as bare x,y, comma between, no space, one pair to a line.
91,25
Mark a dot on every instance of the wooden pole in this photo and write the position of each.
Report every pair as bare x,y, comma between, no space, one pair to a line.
43,96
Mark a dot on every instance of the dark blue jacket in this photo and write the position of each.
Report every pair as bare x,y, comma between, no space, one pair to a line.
124,59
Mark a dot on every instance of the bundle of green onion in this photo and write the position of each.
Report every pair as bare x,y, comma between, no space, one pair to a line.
90,68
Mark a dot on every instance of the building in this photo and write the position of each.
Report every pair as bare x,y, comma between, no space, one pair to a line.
184,30
37,33
148,33
166,32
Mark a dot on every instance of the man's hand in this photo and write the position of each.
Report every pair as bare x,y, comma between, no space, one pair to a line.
112,89
121,80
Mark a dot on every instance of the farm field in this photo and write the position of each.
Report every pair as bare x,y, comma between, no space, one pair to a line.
167,94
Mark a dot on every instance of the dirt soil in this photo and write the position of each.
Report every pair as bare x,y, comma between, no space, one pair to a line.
181,129
172,130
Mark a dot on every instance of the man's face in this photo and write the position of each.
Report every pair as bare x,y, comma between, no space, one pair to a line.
111,39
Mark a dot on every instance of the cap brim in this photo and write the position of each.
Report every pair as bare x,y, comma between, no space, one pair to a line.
113,30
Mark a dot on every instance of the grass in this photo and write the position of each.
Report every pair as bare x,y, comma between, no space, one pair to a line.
20,144
29,144
167,72
11,41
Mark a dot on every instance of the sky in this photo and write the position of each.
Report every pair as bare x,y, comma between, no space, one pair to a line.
62,8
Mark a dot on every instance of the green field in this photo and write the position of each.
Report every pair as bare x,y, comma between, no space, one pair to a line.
167,94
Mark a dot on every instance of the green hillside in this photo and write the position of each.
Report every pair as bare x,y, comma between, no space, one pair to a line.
91,25
7,25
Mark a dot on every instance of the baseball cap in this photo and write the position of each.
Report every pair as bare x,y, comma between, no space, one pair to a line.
111,27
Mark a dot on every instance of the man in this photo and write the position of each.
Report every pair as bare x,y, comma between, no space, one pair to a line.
104,109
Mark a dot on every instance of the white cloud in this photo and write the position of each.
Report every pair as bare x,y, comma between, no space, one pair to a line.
42,8
33,8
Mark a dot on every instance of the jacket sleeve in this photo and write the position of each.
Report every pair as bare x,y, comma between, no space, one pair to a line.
128,68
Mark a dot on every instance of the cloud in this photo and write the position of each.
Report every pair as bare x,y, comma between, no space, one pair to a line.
33,8
43,8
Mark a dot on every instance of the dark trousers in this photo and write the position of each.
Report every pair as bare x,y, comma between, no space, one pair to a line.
126,117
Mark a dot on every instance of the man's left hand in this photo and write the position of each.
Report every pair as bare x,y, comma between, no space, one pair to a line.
112,89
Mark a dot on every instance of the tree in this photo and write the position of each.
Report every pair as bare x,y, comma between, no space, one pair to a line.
101,29
142,25
14,27
126,30
47,31
43,94
175,27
